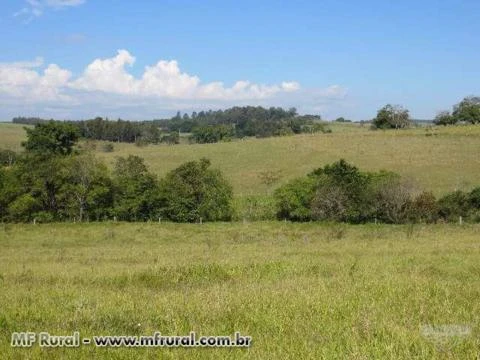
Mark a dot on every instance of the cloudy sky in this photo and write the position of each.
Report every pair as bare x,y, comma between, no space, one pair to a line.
72,59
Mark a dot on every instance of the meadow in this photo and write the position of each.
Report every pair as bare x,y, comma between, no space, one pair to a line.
306,291
438,159
303,291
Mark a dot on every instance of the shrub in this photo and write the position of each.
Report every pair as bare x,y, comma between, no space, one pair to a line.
424,208
342,193
171,138
453,205
445,118
294,199
330,203
393,199
194,192
136,190
474,198
7,157
23,207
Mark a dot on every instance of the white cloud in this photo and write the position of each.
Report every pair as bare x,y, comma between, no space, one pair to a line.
108,75
35,8
165,79
22,80
63,3
290,86
334,91
108,87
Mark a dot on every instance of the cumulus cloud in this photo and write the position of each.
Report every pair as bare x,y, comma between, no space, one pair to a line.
108,75
165,79
23,80
108,84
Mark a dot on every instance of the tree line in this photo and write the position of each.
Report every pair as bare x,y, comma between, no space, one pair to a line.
238,122
140,132
203,127
52,180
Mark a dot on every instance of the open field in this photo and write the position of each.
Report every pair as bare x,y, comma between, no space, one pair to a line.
11,136
303,291
439,160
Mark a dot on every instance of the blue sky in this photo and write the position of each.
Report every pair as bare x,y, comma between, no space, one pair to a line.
148,59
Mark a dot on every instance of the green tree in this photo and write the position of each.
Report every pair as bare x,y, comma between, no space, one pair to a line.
392,117
51,138
43,178
194,192
136,190
294,199
474,198
453,205
445,118
342,193
468,110
88,190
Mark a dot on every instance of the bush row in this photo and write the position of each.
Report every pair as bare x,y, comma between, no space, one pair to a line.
81,188
341,192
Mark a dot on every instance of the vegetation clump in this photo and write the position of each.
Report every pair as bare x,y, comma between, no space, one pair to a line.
341,192
53,180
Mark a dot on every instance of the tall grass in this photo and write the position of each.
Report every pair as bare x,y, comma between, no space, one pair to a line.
307,291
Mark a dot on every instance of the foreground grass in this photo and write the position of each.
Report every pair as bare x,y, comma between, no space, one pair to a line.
305,291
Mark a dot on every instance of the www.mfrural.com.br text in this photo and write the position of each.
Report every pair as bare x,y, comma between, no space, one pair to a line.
45,339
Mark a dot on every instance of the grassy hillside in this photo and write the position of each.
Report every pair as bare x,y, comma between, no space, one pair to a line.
302,291
11,136
441,160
